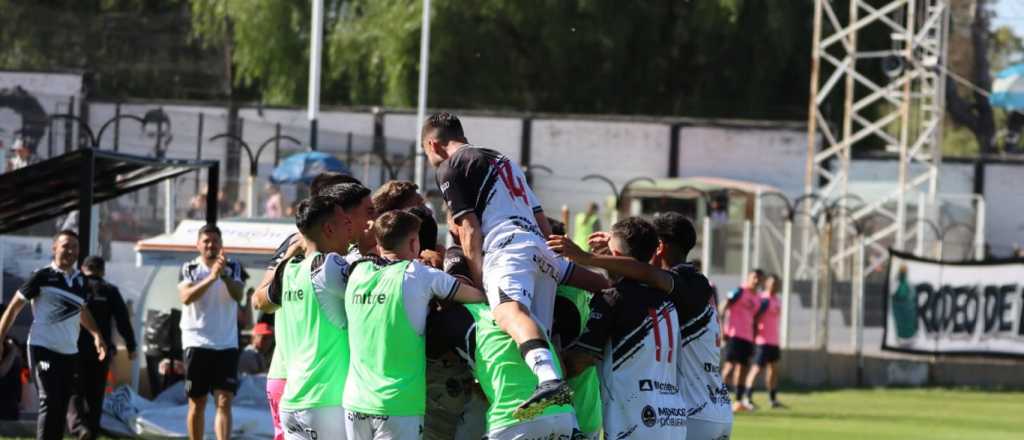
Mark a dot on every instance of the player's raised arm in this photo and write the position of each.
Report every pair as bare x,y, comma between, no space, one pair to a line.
623,266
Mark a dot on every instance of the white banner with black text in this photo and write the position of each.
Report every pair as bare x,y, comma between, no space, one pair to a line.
957,308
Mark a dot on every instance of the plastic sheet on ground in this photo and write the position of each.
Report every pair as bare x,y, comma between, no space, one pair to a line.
127,414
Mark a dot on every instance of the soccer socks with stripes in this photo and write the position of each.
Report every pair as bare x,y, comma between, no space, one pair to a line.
538,357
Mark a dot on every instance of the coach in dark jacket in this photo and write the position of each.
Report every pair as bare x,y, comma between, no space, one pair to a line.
105,303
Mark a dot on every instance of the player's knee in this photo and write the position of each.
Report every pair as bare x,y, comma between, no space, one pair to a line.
198,402
224,399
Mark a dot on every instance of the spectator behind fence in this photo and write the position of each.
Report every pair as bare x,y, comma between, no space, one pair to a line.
274,207
105,303
197,207
23,157
57,295
255,358
211,286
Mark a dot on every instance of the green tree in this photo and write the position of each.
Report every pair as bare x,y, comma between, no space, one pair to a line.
708,57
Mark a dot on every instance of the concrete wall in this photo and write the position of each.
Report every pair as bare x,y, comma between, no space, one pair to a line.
1004,219
575,148
772,156
813,368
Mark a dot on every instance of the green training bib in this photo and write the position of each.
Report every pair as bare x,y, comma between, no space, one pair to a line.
387,369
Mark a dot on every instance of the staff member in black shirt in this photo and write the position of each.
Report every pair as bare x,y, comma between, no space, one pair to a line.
105,303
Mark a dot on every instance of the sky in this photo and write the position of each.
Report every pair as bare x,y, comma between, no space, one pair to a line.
1010,13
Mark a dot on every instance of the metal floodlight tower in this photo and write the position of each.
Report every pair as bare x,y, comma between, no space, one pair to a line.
905,112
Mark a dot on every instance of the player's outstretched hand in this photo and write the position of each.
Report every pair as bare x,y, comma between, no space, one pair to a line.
432,258
563,246
598,242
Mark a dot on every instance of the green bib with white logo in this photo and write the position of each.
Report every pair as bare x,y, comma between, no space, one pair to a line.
314,345
503,374
586,386
388,367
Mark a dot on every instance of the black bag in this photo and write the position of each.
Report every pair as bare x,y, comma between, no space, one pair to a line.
163,333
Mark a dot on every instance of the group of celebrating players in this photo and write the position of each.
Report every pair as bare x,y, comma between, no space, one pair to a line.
509,335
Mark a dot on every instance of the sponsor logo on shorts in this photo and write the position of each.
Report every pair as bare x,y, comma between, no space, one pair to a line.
719,396
671,417
660,387
648,416
545,267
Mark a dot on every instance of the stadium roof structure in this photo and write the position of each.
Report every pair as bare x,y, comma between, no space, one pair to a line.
81,178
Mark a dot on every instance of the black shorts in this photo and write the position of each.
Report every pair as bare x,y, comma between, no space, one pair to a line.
766,354
208,369
738,351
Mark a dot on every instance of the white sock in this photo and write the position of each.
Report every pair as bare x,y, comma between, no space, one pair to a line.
542,364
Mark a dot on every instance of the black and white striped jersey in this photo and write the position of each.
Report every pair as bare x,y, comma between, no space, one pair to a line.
486,183
699,360
57,301
640,395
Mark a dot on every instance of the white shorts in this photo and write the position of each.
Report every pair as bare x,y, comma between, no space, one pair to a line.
556,426
707,430
527,273
313,424
360,426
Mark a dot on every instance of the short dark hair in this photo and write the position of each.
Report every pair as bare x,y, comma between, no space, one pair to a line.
312,212
345,195
445,126
428,226
677,232
639,236
392,228
392,195
329,178
209,228
94,263
557,227
66,232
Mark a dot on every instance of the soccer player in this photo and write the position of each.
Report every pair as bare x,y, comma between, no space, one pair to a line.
210,287
396,194
766,351
709,415
57,296
739,309
637,344
502,228
472,332
312,335
329,183
388,298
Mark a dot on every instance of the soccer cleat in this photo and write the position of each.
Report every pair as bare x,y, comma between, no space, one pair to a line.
748,405
778,405
738,407
552,392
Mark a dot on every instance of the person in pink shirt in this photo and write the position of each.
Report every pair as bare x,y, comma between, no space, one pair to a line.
766,352
739,310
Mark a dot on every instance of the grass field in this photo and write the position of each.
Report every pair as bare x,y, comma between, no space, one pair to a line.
883,414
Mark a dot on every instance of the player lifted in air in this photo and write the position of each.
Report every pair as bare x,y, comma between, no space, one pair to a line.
503,230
